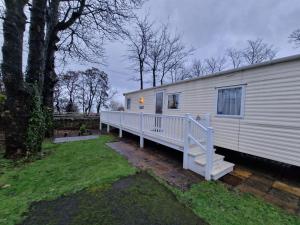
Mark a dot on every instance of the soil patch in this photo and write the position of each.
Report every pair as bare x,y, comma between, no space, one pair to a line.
137,199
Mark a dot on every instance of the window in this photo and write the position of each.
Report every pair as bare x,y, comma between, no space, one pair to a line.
173,101
128,103
159,102
230,101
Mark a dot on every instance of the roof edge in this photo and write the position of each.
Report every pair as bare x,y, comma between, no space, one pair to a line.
225,72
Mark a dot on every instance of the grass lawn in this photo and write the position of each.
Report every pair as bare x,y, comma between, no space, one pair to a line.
216,204
68,168
87,174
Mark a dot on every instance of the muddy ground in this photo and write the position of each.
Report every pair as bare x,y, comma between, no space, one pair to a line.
135,200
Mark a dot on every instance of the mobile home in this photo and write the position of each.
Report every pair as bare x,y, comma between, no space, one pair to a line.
253,109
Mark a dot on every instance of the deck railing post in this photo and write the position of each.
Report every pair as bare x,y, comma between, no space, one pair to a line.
120,126
186,140
209,153
141,122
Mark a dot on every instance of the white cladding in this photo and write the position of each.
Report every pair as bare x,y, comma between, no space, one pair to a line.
270,127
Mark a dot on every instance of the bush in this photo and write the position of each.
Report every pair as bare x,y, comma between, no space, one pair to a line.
82,129
2,99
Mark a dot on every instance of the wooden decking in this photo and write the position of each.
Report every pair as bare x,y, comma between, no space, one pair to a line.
181,133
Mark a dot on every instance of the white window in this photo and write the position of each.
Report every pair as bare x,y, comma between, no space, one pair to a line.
230,101
173,101
128,103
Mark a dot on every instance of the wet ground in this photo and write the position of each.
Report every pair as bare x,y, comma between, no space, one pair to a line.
135,200
276,183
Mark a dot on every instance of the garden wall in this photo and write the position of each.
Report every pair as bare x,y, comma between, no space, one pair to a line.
68,122
74,121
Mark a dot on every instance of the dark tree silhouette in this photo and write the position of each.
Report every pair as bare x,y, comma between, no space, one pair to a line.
295,37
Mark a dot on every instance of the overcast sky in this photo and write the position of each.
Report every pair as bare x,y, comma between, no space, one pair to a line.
210,26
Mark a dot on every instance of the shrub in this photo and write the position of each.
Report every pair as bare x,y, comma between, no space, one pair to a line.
2,99
82,129
36,128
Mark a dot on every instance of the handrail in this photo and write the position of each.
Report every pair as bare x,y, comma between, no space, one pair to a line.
197,142
208,148
198,124
162,115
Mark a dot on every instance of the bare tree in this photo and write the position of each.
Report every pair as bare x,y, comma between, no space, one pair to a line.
60,101
35,64
138,47
295,37
198,68
235,56
96,80
70,82
175,54
77,28
180,72
257,51
214,65
16,107
104,94
157,43
116,106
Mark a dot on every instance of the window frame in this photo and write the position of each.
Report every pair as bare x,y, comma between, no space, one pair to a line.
128,99
179,100
242,111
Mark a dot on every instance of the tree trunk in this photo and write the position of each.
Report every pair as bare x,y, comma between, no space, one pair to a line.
36,60
98,108
16,110
154,77
141,77
50,78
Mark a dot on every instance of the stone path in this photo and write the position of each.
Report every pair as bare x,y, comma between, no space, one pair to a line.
167,164
78,138
160,163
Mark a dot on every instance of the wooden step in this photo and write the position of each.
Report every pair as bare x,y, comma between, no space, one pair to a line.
196,151
221,169
201,160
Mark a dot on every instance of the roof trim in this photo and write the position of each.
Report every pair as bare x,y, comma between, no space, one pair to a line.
226,72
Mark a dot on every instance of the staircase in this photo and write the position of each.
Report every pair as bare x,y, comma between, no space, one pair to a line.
199,153
197,162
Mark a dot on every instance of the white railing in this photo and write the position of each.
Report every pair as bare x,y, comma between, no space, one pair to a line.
197,133
183,130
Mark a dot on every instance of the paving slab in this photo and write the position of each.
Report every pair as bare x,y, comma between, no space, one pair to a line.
286,188
161,165
71,139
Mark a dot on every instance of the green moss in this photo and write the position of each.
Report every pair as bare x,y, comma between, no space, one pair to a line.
69,168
